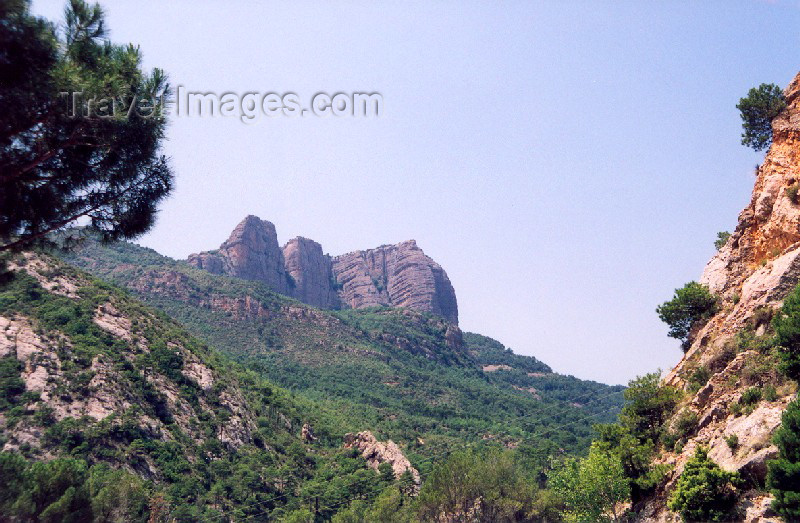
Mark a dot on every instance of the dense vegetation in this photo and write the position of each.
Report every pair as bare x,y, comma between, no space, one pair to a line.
783,477
392,371
170,432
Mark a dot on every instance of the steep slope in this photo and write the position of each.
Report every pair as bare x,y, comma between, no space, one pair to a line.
392,275
399,372
94,378
731,354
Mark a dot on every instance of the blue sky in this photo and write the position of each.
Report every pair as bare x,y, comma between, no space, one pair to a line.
568,163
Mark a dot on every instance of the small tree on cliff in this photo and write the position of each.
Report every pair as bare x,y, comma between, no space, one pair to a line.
787,330
783,476
81,129
758,108
691,304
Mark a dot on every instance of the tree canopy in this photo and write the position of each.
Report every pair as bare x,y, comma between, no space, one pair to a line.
691,304
758,108
82,126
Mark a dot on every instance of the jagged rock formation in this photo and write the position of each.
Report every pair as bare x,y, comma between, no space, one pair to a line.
399,275
251,253
393,275
377,452
752,274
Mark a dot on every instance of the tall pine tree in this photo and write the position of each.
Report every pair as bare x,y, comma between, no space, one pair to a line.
81,130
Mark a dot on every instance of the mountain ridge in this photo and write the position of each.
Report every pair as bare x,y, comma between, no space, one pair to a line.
399,275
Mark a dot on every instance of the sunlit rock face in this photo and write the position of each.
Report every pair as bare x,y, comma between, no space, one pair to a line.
399,275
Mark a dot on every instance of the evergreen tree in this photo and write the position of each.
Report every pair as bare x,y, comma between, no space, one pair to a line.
690,305
704,491
787,330
758,109
783,476
81,130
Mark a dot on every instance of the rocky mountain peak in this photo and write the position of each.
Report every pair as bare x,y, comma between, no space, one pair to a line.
400,275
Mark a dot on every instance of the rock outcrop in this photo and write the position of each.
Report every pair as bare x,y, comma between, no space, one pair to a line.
377,452
251,253
311,273
752,273
399,275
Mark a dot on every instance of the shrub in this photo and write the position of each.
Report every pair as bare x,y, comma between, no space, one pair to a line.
783,474
685,423
791,192
770,393
699,378
722,239
732,441
591,487
704,491
751,396
690,305
757,109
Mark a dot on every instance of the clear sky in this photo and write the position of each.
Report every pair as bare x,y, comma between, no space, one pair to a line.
568,163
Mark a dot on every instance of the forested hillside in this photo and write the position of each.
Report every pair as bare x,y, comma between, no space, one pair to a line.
405,374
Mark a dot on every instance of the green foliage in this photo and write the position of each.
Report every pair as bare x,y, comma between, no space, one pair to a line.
57,167
704,491
591,487
787,331
783,475
65,489
490,484
635,438
722,239
732,441
758,109
649,404
685,423
691,304
698,378
751,396
11,384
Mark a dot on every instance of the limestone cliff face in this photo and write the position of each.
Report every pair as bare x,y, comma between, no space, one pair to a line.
752,274
393,275
398,275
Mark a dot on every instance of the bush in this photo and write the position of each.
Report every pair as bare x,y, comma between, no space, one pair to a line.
750,397
591,487
791,192
699,378
732,441
783,475
704,491
690,305
685,423
757,110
